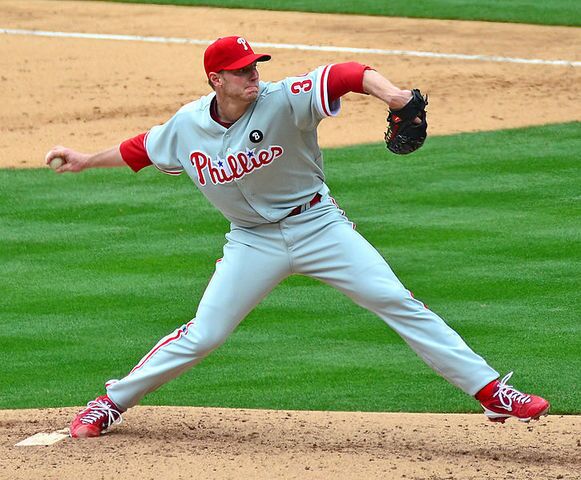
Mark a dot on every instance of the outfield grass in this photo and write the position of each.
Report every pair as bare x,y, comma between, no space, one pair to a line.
554,12
484,228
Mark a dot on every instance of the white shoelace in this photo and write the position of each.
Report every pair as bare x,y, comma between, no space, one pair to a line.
506,394
99,409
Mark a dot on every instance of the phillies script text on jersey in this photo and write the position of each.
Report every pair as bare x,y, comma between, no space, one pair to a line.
239,164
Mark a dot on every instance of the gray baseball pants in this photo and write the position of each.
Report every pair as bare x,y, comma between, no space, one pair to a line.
320,243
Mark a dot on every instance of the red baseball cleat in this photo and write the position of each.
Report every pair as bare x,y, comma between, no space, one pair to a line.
508,402
99,415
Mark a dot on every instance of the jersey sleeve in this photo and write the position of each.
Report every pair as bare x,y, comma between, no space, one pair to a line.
308,97
344,78
133,152
161,144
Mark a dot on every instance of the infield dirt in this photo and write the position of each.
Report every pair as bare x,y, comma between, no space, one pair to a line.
90,94
207,443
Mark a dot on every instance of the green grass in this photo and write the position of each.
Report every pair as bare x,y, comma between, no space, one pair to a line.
484,228
554,12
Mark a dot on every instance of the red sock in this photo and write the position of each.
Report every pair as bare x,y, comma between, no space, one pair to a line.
487,391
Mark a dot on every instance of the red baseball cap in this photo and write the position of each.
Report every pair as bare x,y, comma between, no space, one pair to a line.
230,53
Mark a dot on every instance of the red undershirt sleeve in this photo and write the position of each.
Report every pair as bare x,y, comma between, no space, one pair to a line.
344,78
134,153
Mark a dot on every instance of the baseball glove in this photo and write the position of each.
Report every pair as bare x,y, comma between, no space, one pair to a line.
403,135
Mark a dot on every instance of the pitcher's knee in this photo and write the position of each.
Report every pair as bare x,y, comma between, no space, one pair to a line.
202,341
388,297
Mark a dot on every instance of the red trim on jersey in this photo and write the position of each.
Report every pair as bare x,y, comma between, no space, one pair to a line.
324,92
167,172
214,114
134,153
344,78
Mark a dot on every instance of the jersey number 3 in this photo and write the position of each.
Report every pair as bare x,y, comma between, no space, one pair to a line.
301,87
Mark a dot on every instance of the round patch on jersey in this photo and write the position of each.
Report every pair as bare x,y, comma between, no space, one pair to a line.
256,136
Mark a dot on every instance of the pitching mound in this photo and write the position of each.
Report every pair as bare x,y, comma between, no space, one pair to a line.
208,443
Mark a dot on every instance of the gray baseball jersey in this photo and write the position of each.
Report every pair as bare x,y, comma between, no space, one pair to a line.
265,164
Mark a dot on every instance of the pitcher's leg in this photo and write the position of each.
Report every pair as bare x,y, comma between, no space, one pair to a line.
354,267
242,279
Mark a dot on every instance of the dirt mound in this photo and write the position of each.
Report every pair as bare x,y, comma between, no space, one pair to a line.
177,442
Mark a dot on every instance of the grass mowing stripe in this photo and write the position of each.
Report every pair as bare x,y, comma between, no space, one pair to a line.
555,12
96,267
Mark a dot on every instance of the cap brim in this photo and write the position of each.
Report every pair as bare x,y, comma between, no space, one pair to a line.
244,62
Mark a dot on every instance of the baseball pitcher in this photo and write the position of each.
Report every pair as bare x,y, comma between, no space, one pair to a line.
251,149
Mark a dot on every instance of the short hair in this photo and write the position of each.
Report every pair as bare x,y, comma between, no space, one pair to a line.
210,81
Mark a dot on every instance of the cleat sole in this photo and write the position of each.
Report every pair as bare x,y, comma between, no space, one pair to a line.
500,418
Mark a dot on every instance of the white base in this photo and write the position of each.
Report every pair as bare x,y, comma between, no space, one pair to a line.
43,438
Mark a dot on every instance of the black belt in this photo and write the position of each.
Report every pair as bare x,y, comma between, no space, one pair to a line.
301,208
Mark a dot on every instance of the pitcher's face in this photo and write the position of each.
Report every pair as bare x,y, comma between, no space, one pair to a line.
241,84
